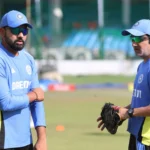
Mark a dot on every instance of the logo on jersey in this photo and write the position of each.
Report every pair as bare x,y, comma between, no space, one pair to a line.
12,70
137,93
18,85
140,79
28,69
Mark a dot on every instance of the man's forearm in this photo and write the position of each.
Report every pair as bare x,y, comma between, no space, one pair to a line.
41,143
41,132
11,103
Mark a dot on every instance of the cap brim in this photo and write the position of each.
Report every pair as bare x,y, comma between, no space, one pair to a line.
133,32
29,25
17,25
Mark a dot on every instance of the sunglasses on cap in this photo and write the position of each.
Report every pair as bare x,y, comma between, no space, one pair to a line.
17,30
137,39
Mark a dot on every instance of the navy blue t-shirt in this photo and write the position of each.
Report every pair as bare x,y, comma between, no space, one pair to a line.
140,126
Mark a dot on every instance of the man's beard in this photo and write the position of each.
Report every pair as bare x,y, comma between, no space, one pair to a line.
13,44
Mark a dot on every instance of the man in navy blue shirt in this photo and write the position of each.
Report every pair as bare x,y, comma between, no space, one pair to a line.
138,111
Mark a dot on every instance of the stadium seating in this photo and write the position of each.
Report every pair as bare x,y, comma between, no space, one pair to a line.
90,39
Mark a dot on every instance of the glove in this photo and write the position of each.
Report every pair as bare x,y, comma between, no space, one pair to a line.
110,118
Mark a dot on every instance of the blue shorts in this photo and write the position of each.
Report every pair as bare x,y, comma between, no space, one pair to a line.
134,144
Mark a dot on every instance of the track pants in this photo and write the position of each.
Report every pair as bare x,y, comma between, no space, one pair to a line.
134,144
28,147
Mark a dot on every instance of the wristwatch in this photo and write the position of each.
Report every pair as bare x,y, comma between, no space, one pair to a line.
130,112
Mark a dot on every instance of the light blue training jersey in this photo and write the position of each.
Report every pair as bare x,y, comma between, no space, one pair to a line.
140,126
18,76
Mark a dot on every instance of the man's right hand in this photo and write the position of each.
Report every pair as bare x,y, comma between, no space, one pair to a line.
36,94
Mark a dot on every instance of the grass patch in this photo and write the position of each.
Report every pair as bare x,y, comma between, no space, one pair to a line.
98,79
77,111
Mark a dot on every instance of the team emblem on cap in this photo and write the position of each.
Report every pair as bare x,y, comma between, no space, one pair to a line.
19,16
136,24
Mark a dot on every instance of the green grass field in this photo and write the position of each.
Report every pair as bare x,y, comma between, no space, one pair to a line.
98,79
77,111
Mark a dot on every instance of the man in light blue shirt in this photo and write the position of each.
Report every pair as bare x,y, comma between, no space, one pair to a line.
20,94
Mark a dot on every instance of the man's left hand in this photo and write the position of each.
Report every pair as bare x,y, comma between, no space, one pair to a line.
41,144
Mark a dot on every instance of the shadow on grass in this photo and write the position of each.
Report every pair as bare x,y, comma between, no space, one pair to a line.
105,134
